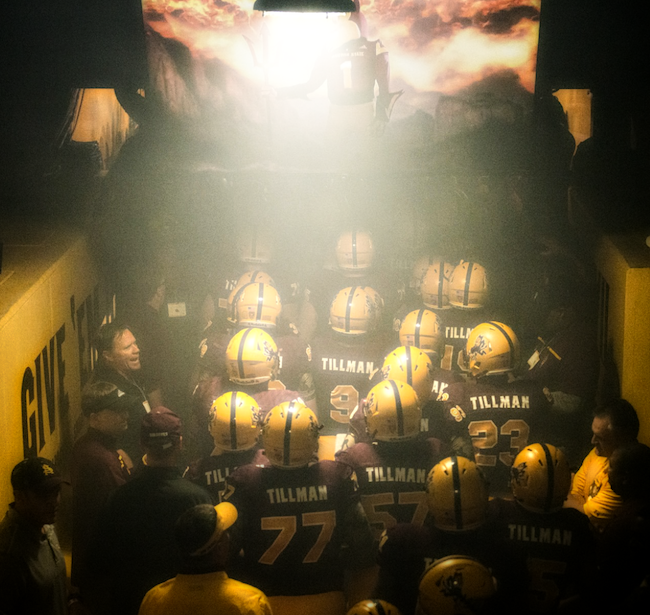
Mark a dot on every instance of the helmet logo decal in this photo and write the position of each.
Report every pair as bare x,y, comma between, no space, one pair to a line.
519,474
269,353
481,347
451,586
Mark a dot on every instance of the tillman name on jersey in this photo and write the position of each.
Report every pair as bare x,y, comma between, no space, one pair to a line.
348,365
284,495
543,535
215,477
457,333
483,402
381,474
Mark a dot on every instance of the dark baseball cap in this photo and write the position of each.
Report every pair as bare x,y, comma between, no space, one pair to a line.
117,401
200,528
35,474
160,428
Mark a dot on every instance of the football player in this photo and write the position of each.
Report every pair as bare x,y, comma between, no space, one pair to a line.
234,427
459,524
296,516
558,541
467,307
457,584
345,358
423,329
491,417
392,469
355,265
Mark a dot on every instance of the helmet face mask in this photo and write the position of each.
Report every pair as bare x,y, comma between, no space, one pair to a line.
422,329
434,288
355,253
355,310
234,422
252,357
393,412
413,366
540,478
290,434
468,286
455,584
492,348
457,495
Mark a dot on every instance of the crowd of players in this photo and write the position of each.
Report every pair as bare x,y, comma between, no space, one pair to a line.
383,444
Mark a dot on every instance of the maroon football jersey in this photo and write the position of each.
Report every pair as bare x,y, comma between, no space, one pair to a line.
407,550
342,371
291,524
457,324
559,550
501,418
392,479
211,472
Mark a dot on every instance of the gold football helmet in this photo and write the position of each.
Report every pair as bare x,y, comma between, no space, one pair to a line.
468,286
457,494
247,278
393,412
354,310
422,329
434,288
257,305
411,365
455,585
290,435
491,348
373,607
234,421
251,357
355,252
540,478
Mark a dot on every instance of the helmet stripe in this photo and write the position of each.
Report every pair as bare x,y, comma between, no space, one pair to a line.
260,301
254,275
551,478
233,420
286,455
458,509
379,607
348,308
240,354
468,279
409,367
441,283
505,334
418,324
398,408
354,249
